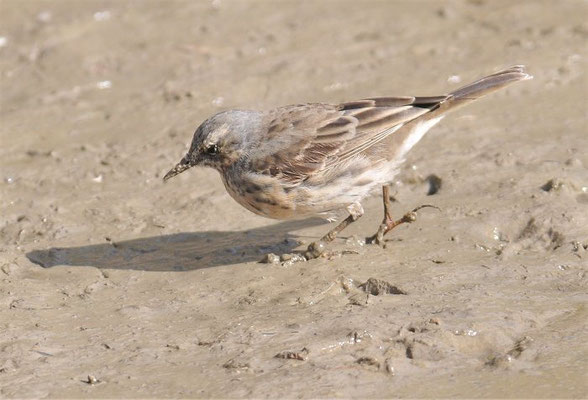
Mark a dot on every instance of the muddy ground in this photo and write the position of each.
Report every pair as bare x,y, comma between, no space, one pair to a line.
154,290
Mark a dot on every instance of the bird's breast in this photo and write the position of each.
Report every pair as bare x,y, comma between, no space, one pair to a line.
260,194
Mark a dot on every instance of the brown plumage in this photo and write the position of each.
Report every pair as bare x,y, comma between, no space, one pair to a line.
307,159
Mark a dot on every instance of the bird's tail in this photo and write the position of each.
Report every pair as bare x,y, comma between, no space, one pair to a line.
482,87
409,134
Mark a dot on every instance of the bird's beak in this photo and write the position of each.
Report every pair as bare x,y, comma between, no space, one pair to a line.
180,167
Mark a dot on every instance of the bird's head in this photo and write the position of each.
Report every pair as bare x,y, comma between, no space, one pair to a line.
219,141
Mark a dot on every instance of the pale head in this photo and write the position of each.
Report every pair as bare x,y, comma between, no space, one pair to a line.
219,141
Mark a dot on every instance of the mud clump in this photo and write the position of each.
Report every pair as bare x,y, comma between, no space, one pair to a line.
552,185
435,184
377,287
293,355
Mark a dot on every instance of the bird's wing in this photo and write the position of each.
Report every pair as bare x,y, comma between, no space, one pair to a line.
380,117
304,139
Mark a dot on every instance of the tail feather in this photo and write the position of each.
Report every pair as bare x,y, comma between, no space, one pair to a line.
484,86
491,83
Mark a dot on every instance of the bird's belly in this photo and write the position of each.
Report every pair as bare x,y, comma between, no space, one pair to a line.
267,196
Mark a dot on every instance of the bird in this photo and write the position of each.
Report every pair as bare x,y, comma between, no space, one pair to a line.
313,159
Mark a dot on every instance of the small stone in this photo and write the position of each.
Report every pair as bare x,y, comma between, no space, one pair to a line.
286,256
270,258
389,367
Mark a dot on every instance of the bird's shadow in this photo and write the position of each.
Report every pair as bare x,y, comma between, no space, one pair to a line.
180,251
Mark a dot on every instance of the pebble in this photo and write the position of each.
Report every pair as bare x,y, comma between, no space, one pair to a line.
270,258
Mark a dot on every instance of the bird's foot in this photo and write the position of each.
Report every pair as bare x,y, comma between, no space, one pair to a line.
388,224
315,250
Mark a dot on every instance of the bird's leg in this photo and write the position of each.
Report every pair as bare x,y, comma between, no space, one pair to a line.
315,249
388,223
386,200
382,230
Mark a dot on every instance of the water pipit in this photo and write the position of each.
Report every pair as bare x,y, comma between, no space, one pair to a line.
308,159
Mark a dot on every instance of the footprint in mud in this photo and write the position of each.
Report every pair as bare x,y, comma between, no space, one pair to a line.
503,360
359,293
424,340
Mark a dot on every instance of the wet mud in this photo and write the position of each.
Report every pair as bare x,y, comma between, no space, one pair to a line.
114,284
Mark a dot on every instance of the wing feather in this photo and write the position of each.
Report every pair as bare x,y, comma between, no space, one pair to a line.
315,138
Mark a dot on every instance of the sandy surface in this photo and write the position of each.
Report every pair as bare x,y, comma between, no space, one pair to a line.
155,290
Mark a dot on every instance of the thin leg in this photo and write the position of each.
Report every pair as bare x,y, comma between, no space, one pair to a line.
315,249
332,234
379,235
387,205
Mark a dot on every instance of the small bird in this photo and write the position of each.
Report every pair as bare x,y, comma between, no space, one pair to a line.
308,159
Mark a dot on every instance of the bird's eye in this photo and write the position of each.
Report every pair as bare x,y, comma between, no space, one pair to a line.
212,149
